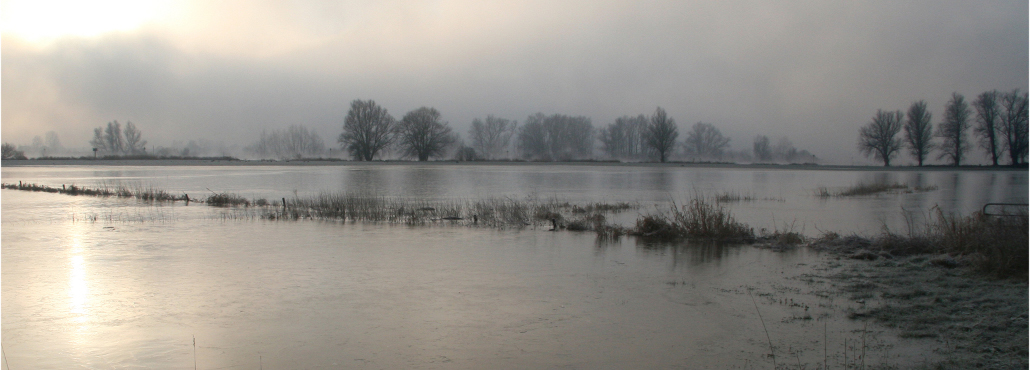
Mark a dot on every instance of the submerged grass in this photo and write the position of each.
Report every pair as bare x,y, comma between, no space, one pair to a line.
863,189
503,212
137,191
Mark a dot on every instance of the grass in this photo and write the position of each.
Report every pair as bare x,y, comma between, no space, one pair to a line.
734,197
863,189
226,200
994,246
136,191
502,213
698,219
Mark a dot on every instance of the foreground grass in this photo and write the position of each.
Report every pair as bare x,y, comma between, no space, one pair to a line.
993,246
976,322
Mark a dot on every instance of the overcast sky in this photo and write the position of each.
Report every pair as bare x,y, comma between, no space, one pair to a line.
813,71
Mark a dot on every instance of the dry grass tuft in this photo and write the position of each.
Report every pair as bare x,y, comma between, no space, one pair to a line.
698,219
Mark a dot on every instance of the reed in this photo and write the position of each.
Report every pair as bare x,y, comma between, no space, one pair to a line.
504,212
862,189
136,191
226,200
698,219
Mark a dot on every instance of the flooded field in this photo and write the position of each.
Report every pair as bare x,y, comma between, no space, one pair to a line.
114,283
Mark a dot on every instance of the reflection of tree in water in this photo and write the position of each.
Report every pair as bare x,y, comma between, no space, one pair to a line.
660,180
688,253
365,180
953,191
423,182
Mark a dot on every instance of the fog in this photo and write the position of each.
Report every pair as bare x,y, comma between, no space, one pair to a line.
811,71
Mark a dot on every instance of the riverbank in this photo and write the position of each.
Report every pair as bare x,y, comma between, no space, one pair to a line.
343,162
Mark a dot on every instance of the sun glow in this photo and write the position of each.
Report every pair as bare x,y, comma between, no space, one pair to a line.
47,20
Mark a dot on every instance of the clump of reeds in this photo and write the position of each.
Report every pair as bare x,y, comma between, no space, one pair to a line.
779,239
138,192
594,208
862,189
490,212
698,219
226,200
994,245
732,196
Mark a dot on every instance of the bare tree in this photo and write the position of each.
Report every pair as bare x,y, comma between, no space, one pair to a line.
624,138
98,142
113,141
294,142
532,139
53,142
953,129
878,138
1013,127
133,143
421,134
7,151
761,149
661,134
367,130
987,115
556,137
706,141
465,153
919,131
490,138
569,137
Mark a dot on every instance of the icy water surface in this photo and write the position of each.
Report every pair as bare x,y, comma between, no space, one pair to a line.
112,283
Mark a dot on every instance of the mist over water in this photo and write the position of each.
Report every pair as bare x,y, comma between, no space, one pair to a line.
107,282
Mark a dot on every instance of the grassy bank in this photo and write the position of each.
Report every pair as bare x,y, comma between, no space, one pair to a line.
991,245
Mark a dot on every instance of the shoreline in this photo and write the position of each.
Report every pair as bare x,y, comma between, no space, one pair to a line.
349,163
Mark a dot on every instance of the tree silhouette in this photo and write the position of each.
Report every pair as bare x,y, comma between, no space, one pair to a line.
919,131
987,115
1014,125
706,141
421,134
877,138
490,137
367,130
661,134
953,129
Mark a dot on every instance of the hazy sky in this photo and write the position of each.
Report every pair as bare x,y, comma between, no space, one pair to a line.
814,71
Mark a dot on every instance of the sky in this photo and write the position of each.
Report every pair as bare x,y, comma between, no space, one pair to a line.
812,71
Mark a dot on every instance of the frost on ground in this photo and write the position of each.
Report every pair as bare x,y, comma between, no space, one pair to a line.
977,321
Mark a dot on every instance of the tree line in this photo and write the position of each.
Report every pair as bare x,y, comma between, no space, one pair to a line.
370,132
112,140
998,121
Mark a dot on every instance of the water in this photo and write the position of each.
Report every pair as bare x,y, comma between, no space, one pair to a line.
785,198
112,283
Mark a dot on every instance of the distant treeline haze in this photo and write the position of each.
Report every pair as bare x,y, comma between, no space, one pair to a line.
370,132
